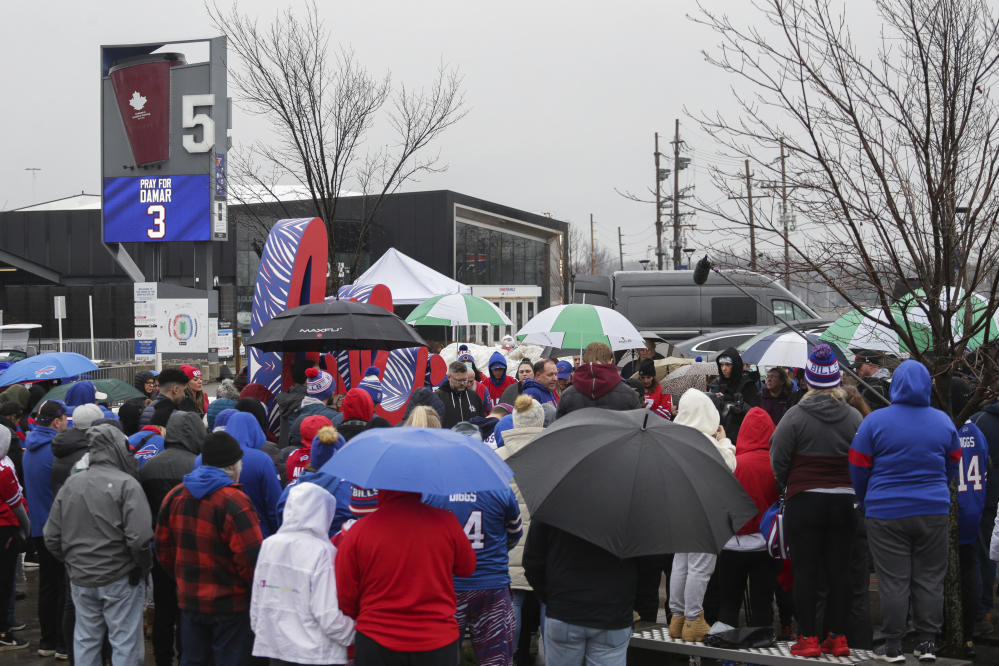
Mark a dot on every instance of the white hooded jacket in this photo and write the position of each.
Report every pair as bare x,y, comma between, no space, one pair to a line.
294,612
697,411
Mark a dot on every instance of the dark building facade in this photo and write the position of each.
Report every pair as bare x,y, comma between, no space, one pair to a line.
56,249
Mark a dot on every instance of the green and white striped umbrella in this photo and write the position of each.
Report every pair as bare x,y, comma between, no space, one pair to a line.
577,325
854,330
457,310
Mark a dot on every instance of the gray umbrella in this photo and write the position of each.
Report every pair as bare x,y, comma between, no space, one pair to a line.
632,483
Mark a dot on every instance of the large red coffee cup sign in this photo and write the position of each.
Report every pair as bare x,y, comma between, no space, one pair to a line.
142,89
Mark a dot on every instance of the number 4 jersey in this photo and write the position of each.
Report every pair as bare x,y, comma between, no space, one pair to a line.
971,482
492,524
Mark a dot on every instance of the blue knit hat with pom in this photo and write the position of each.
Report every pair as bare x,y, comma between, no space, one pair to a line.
822,369
372,384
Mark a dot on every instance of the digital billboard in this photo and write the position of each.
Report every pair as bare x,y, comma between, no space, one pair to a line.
164,137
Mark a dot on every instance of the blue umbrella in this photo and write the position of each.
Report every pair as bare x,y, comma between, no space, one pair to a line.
55,365
419,460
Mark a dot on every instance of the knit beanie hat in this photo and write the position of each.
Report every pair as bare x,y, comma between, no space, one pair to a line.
527,412
319,384
220,450
357,404
310,426
85,415
372,384
822,370
191,373
323,446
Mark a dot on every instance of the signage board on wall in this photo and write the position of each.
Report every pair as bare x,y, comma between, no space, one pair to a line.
164,137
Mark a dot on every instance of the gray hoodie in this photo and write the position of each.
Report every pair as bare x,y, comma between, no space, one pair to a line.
100,524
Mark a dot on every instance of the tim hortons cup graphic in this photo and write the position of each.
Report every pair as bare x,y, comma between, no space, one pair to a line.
142,89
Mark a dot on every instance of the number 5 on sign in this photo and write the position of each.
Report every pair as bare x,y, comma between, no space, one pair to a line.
190,120
158,230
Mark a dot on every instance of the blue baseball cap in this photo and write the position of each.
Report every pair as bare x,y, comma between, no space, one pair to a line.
564,369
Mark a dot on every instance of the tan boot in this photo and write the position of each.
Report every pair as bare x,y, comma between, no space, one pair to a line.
676,626
694,631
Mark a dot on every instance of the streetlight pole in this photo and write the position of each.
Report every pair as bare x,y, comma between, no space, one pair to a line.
34,174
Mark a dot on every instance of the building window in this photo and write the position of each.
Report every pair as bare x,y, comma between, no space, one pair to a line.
491,256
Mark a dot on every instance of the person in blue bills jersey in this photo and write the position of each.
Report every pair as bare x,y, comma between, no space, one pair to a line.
972,477
492,523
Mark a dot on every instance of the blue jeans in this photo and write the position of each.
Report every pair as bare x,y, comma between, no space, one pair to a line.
115,608
572,645
224,638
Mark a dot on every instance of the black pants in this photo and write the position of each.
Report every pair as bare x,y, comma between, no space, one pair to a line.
367,652
166,615
821,529
650,571
732,571
51,598
8,566
859,630
971,587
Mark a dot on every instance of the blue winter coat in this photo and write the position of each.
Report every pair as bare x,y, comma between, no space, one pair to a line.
904,455
37,463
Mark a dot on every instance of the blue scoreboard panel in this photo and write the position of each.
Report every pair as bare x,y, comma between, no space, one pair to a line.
157,208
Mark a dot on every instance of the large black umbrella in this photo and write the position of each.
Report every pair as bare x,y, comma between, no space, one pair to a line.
335,325
632,483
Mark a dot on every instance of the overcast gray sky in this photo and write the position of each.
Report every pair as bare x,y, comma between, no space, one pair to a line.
563,96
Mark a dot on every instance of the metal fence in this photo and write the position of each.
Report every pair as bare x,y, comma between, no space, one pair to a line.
115,350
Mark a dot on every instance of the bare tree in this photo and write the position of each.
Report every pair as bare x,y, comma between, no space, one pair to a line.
892,155
322,103
892,158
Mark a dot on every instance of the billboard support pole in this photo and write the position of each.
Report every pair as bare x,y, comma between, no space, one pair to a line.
93,347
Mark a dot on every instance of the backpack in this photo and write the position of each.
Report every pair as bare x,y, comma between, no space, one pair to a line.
772,529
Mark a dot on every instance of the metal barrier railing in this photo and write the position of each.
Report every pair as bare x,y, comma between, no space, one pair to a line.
116,350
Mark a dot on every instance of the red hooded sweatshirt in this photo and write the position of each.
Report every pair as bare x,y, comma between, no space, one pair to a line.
752,464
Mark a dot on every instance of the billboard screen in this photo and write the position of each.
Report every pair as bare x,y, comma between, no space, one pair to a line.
164,137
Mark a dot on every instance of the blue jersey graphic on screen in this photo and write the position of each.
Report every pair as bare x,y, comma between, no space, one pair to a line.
144,209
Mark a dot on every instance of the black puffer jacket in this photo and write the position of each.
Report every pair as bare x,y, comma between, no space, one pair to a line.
185,434
597,385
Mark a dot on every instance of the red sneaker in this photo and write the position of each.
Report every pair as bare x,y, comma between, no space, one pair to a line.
836,646
807,646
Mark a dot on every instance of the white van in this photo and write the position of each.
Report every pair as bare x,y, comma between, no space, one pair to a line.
669,304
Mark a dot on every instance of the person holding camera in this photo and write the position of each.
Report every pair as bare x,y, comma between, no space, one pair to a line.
735,389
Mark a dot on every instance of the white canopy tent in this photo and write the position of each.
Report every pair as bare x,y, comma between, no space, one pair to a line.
410,281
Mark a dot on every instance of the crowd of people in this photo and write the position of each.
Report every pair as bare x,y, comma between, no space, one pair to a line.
254,552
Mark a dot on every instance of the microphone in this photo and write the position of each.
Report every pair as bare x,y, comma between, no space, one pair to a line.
701,270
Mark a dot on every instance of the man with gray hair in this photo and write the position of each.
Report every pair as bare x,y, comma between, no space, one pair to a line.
101,527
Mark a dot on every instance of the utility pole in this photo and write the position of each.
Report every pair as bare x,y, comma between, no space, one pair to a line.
676,196
659,211
783,215
593,257
620,249
752,223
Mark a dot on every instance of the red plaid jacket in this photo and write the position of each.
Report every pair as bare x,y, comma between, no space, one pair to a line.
210,545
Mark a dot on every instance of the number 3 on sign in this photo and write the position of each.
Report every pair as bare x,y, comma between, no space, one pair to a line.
158,230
